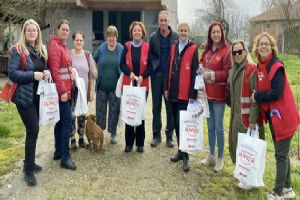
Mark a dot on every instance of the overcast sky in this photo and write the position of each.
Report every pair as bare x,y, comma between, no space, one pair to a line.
186,8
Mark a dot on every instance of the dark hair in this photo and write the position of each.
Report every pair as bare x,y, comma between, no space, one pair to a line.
77,32
64,21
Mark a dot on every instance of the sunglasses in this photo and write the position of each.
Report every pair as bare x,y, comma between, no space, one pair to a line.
238,52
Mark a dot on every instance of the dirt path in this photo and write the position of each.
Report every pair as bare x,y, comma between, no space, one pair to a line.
112,174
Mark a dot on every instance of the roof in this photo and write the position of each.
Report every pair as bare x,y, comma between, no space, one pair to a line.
276,13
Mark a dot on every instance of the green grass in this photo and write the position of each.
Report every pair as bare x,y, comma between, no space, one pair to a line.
11,137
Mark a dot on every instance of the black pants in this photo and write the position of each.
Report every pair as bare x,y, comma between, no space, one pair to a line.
30,118
176,108
135,133
157,93
283,166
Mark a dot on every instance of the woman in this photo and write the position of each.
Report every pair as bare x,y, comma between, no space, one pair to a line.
278,107
27,101
136,64
216,62
180,80
85,66
60,64
108,58
244,113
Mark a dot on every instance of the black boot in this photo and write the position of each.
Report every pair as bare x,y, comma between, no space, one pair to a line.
30,179
186,165
177,157
68,164
36,168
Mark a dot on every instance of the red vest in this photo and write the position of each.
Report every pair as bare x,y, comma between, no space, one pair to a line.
286,123
185,71
143,64
246,93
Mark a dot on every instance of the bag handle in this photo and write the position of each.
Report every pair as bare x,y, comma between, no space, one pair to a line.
253,132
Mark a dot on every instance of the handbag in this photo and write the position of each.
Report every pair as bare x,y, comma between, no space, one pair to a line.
91,81
10,87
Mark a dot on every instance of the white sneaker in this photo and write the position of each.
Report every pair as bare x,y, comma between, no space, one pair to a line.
288,193
274,196
209,160
113,140
219,165
244,186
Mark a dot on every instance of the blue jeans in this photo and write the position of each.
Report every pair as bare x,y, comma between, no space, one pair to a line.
62,130
215,124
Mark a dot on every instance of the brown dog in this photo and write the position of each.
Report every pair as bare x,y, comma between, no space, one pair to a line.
94,133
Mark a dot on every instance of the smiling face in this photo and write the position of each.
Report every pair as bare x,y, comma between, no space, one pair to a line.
216,34
63,31
111,40
31,33
264,48
183,31
137,32
238,53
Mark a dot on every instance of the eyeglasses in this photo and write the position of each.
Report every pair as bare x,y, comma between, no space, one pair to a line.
267,44
31,30
237,52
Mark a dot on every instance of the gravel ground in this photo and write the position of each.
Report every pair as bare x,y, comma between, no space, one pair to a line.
111,174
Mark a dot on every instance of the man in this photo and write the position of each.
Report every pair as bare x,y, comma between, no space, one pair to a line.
160,45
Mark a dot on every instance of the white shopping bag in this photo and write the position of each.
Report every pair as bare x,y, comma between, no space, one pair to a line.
250,159
81,106
49,103
191,133
119,86
132,104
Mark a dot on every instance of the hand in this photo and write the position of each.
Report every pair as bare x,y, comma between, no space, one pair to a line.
64,97
252,97
200,69
132,76
207,75
74,74
38,76
46,74
252,126
166,93
140,80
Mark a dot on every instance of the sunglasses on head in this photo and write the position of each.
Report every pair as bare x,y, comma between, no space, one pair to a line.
238,52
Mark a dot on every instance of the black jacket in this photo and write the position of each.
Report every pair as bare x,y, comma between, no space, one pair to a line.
154,44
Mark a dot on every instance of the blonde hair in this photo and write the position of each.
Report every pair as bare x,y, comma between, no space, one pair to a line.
38,42
184,24
272,42
248,56
137,23
111,30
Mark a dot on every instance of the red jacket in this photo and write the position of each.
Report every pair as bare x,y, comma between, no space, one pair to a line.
218,61
143,64
60,64
186,70
284,112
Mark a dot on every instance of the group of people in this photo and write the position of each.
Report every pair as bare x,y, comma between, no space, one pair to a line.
256,93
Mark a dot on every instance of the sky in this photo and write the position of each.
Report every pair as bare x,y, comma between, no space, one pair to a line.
186,8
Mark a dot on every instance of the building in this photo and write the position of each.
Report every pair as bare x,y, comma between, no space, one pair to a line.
274,21
94,16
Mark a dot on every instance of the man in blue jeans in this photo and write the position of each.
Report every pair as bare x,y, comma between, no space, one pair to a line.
160,45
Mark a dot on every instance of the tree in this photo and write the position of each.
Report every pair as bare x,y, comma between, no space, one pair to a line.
268,4
235,23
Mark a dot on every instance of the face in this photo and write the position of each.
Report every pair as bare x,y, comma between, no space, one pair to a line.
183,33
137,32
111,40
31,33
216,34
78,42
63,31
264,47
163,22
238,53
